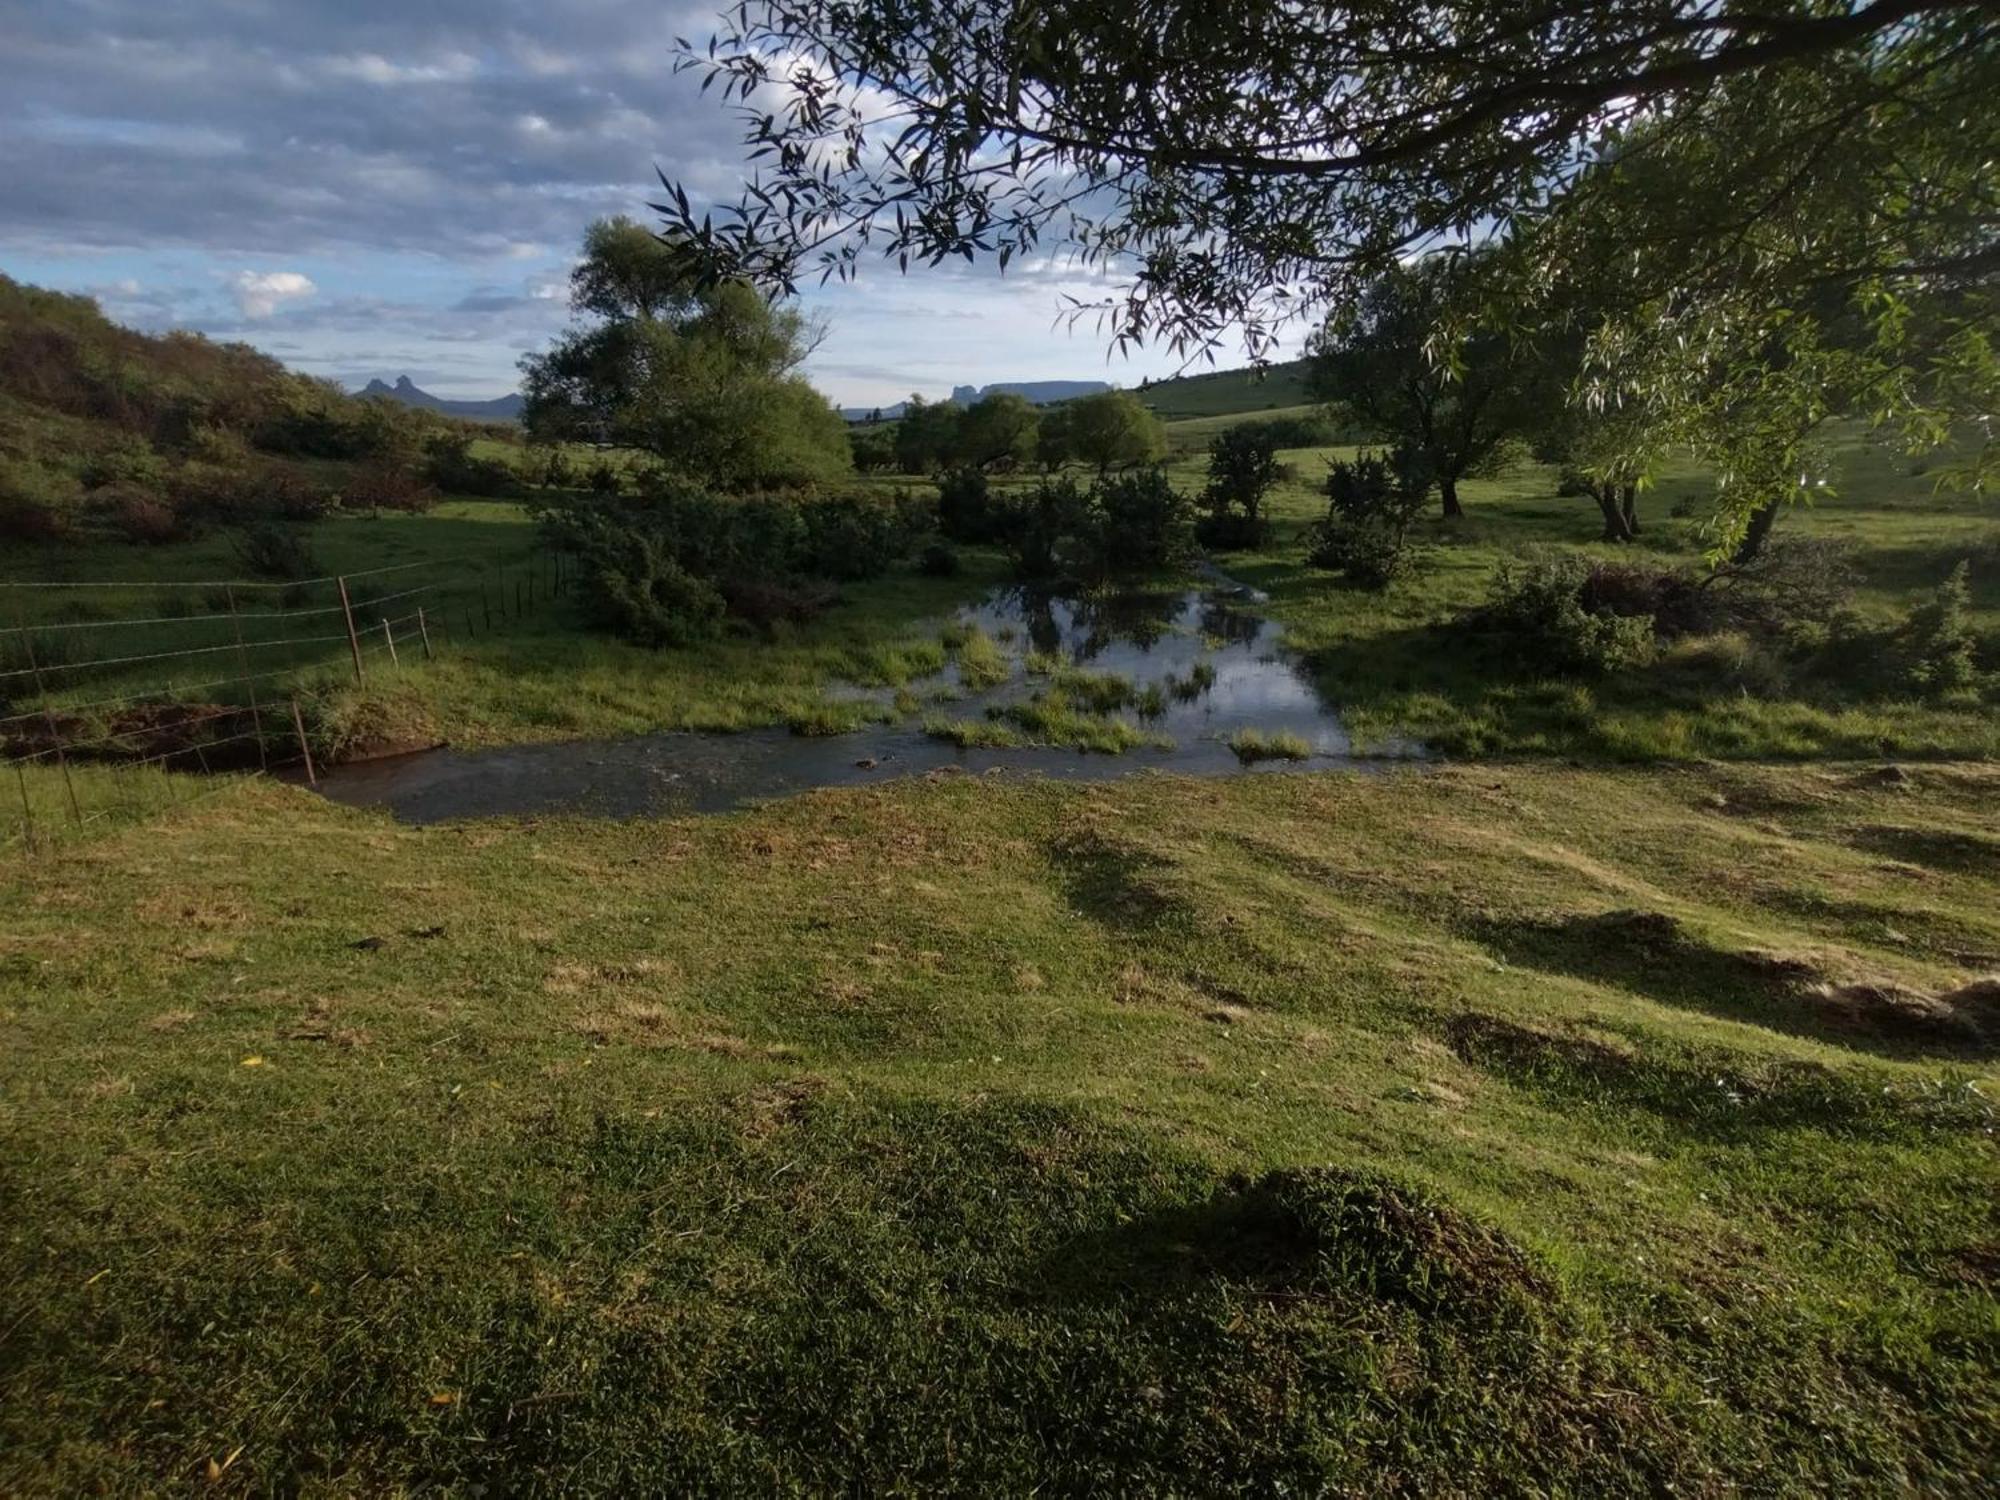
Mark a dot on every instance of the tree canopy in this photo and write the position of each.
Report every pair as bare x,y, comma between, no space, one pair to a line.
696,373
1794,198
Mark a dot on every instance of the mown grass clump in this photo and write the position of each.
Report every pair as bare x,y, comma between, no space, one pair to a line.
1052,717
1253,745
981,662
973,733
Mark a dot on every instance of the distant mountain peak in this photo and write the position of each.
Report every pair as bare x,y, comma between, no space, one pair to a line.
499,409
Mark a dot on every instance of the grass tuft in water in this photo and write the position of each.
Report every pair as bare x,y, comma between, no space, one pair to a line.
1253,745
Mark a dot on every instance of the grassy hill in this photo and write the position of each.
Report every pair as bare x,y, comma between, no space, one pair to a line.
1222,392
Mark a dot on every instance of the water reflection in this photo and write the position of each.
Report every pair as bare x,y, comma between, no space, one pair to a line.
1219,665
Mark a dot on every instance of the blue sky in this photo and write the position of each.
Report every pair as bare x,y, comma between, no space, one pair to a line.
386,187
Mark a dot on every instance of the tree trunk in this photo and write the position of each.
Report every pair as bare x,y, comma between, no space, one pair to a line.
1452,509
1631,509
1616,528
1761,521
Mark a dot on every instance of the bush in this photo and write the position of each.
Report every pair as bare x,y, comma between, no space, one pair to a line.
1371,502
1138,523
138,515
451,465
1034,526
766,603
1242,468
850,537
269,551
965,511
631,585
604,479
1940,647
30,521
938,561
1538,602
391,487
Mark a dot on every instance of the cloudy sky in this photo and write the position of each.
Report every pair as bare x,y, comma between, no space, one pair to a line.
380,187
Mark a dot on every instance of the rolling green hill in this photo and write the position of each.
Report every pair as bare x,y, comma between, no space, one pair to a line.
1222,392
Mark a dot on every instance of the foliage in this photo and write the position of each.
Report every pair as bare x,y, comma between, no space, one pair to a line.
451,465
698,376
137,514
926,435
1451,398
1253,745
874,448
1124,525
938,561
965,505
283,552
1539,604
632,585
1371,503
999,431
390,487
850,537
1112,430
1138,524
1034,526
1939,641
1242,468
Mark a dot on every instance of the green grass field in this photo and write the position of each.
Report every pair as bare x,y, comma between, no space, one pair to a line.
1512,1125
1470,1131
1214,393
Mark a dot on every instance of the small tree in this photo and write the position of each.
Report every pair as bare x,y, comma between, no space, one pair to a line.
1111,430
1407,363
999,431
1371,503
1942,647
927,436
1055,445
1242,468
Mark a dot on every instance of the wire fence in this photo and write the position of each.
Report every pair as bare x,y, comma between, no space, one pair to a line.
123,698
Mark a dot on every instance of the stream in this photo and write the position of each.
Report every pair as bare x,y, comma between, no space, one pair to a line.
1148,638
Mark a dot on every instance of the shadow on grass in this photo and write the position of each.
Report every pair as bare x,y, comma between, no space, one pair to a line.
1944,849
1710,1096
1653,955
1114,884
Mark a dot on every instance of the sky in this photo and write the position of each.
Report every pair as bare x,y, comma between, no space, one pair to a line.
371,188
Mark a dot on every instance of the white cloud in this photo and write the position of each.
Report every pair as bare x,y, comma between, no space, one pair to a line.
261,293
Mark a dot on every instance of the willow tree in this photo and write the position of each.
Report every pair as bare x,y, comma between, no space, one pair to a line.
1827,237
699,373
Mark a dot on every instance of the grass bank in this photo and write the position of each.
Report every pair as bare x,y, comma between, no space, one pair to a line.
1474,1131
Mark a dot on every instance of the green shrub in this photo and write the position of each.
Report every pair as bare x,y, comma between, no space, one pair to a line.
1538,604
1942,651
1252,745
391,487
965,510
1371,503
451,465
269,551
138,515
1242,468
632,585
938,561
1034,526
1138,524
850,537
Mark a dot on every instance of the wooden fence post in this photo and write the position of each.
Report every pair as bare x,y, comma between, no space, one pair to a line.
353,639
424,630
390,636
305,750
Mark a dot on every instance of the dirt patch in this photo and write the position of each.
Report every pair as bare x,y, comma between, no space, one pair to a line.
768,1110
1488,1041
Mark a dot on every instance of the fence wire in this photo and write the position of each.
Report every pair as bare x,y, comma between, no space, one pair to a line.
154,743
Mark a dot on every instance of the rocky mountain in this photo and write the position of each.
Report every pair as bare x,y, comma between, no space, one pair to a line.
1041,392
500,409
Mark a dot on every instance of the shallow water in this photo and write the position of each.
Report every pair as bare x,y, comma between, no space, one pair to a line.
1146,638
